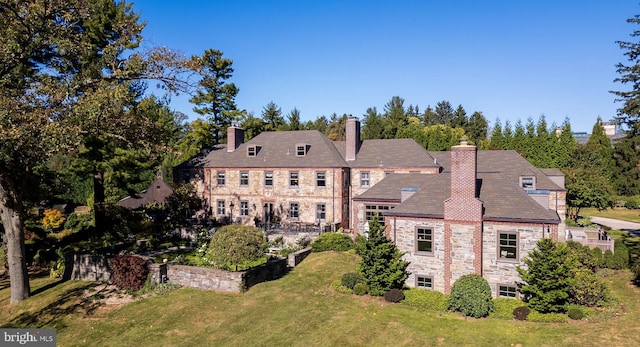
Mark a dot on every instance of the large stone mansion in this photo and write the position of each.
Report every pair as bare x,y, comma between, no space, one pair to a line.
451,213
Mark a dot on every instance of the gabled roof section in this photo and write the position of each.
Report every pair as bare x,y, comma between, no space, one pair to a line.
502,200
389,153
507,162
277,149
157,192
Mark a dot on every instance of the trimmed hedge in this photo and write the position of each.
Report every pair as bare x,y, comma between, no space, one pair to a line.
128,272
427,299
503,308
332,242
521,313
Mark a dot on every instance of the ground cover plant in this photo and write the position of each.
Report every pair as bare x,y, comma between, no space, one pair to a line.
299,309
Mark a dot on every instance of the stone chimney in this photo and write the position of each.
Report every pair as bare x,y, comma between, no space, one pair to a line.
235,137
353,138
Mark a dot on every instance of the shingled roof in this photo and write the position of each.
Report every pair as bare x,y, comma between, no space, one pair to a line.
389,153
511,164
278,149
501,200
157,192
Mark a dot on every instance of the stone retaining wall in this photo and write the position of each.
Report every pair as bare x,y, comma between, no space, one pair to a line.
95,268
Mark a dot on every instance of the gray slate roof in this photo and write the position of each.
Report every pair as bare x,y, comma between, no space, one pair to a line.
158,192
501,201
278,149
508,162
389,153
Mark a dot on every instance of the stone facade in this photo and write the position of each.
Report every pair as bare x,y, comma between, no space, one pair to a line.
277,198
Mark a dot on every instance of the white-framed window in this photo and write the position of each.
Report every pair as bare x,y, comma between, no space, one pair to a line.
294,210
268,178
424,282
294,179
221,178
244,208
507,291
364,179
252,151
244,178
321,179
321,211
528,182
424,240
508,246
301,149
220,208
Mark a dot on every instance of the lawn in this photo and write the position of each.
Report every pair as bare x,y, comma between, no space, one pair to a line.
629,215
299,309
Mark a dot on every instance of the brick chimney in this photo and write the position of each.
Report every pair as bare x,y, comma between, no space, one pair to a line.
235,137
462,218
353,138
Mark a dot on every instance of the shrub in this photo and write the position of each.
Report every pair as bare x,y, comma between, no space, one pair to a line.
521,313
427,299
636,274
503,308
598,257
620,255
360,289
575,313
587,289
536,316
382,265
548,276
128,272
471,295
76,222
360,244
609,261
237,247
53,219
350,279
338,287
332,242
394,295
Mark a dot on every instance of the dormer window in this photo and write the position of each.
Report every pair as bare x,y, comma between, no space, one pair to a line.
252,151
301,149
528,182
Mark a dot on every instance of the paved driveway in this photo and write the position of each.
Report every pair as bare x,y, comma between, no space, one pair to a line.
631,227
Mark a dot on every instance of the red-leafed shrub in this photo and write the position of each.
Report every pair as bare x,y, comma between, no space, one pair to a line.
128,272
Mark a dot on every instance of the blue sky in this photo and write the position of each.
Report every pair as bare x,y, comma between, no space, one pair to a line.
507,59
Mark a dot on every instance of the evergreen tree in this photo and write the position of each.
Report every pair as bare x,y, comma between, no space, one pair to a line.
547,277
373,127
272,117
394,117
252,126
566,145
629,113
497,137
626,172
444,113
459,119
429,117
336,131
294,120
382,266
476,128
216,96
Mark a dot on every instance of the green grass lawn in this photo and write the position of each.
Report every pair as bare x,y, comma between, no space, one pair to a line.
630,215
299,309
